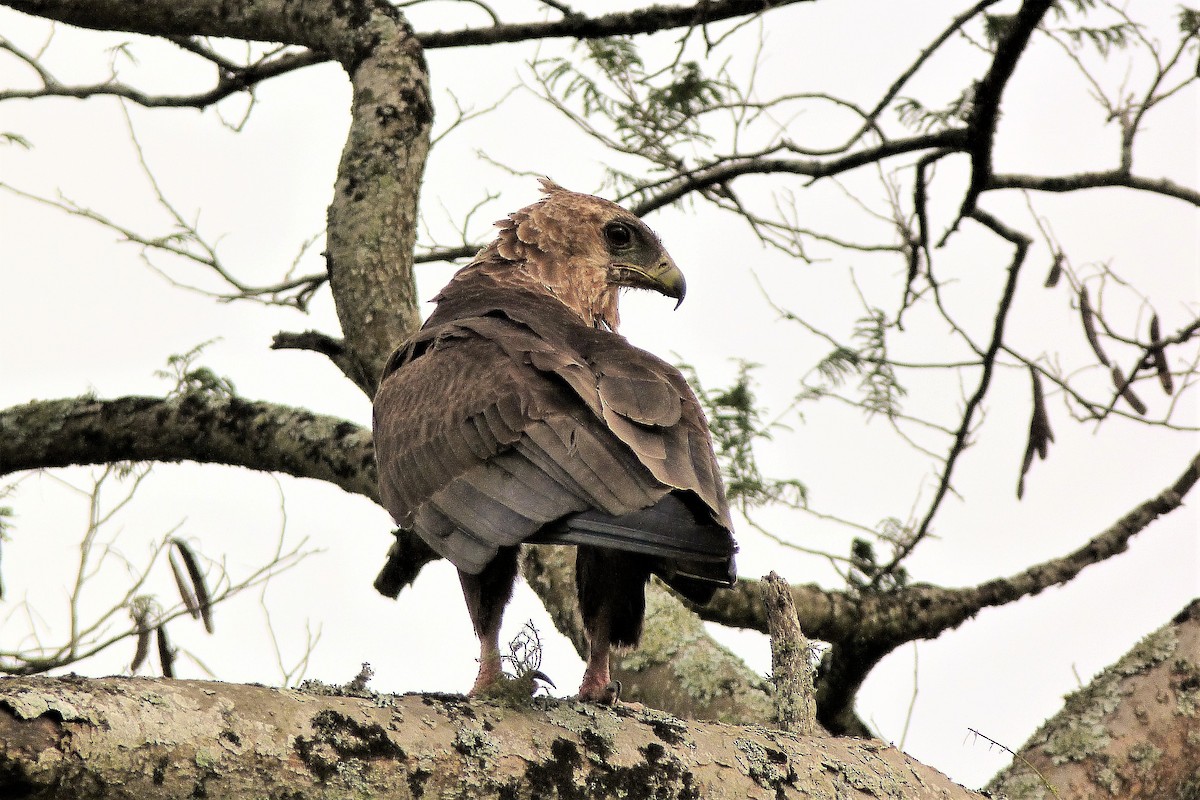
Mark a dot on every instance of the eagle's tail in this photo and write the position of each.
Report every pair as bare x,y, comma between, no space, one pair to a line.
692,557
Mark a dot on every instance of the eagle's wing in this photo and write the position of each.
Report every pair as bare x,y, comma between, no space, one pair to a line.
490,428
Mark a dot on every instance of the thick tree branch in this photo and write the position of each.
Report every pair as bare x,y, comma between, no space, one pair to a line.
64,737
1130,733
201,427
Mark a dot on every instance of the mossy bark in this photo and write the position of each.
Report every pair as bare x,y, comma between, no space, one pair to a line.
1133,732
146,739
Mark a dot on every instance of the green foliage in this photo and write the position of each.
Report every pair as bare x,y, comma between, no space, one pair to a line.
7,137
1081,6
917,117
652,111
881,390
1189,21
1104,39
736,423
866,574
839,365
190,379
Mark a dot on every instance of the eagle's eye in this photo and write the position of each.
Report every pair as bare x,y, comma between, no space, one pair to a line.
619,235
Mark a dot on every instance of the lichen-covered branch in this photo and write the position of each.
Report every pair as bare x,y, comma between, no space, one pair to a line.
196,426
68,737
1130,733
791,672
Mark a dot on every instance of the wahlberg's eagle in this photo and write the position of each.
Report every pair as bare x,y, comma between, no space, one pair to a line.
518,414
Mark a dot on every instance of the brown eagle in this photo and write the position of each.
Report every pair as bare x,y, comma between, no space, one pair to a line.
518,414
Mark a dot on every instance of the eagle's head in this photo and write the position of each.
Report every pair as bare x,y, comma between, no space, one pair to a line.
583,250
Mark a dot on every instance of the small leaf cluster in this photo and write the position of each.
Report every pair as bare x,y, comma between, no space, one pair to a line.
916,116
651,111
879,385
866,574
736,424
191,379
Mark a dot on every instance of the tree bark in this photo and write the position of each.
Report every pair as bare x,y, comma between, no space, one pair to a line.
143,738
196,426
1132,733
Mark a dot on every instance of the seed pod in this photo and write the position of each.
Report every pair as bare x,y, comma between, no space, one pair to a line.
1056,269
185,592
1158,356
166,656
1089,325
1040,434
198,584
1126,392
143,649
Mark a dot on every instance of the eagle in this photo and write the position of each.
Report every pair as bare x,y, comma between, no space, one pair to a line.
517,414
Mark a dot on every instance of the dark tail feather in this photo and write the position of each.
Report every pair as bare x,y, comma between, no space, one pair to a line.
697,557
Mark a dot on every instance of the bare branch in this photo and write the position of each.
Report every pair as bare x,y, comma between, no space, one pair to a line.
577,26
1021,244
231,79
1096,180
985,109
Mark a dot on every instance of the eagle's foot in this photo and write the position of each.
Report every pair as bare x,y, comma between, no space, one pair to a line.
606,695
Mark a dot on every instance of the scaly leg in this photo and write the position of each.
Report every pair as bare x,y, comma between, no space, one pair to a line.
487,594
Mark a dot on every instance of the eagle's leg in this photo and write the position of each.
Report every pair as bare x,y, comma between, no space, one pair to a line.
612,601
487,594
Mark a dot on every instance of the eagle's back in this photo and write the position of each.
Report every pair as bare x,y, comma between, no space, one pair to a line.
504,420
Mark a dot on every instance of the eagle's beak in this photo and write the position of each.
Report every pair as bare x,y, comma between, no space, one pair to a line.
664,278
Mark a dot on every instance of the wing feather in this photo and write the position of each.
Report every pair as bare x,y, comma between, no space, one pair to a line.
503,423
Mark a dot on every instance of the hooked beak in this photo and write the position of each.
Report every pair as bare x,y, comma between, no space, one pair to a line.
664,278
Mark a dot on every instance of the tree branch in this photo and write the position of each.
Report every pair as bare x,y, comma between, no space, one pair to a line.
1128,733
317,342
372,218
651,19
197,426
231,78
1021,244
985,109
1096,180
864,628
725,170
161,738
